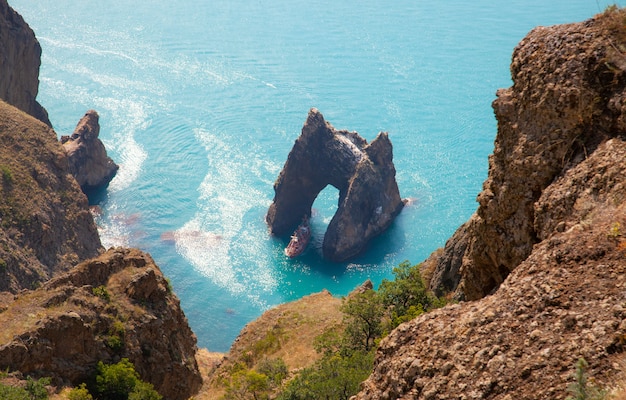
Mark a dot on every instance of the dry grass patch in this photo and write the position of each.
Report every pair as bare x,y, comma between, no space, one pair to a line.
286,332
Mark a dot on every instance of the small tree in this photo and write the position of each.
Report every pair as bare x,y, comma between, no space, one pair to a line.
406,296
581,390
363,316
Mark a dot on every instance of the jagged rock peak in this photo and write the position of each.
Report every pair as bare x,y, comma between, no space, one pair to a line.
88,159
19,64
364,174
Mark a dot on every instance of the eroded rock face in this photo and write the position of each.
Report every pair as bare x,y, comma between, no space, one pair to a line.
20,58
117,305
88,159
520,343
567,97
363,173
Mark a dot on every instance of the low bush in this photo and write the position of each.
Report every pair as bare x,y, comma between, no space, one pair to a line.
121,382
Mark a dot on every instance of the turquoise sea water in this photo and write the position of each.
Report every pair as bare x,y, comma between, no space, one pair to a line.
200,103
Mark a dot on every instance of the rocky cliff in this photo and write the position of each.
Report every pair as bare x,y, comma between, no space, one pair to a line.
547,240
20,59
81,312
45,224
117,305
567,98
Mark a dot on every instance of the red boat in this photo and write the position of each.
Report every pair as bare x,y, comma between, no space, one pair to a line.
299,239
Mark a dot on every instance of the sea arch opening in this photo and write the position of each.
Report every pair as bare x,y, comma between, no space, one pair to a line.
323,210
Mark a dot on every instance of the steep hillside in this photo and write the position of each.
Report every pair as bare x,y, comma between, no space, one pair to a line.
547,245
45,224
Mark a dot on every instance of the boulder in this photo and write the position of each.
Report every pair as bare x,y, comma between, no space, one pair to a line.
20,59
364,174
88,159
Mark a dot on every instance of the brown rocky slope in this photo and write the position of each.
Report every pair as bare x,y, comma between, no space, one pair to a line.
117,305
547,240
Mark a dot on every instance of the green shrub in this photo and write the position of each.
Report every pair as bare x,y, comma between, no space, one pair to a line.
102,292
144,391
275,370
333,377
115,340
120,381
270,343
7,174
247,384
37,388
13,393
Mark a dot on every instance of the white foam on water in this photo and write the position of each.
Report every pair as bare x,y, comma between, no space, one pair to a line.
127,117
218,241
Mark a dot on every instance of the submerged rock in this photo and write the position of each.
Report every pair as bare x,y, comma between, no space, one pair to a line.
88,159
364,174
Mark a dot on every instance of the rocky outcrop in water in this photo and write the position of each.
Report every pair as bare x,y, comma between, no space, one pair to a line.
20,58
45,223
88,159
364,174
117,305
547,240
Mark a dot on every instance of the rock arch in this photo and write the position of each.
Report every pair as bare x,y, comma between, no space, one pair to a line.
363,173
